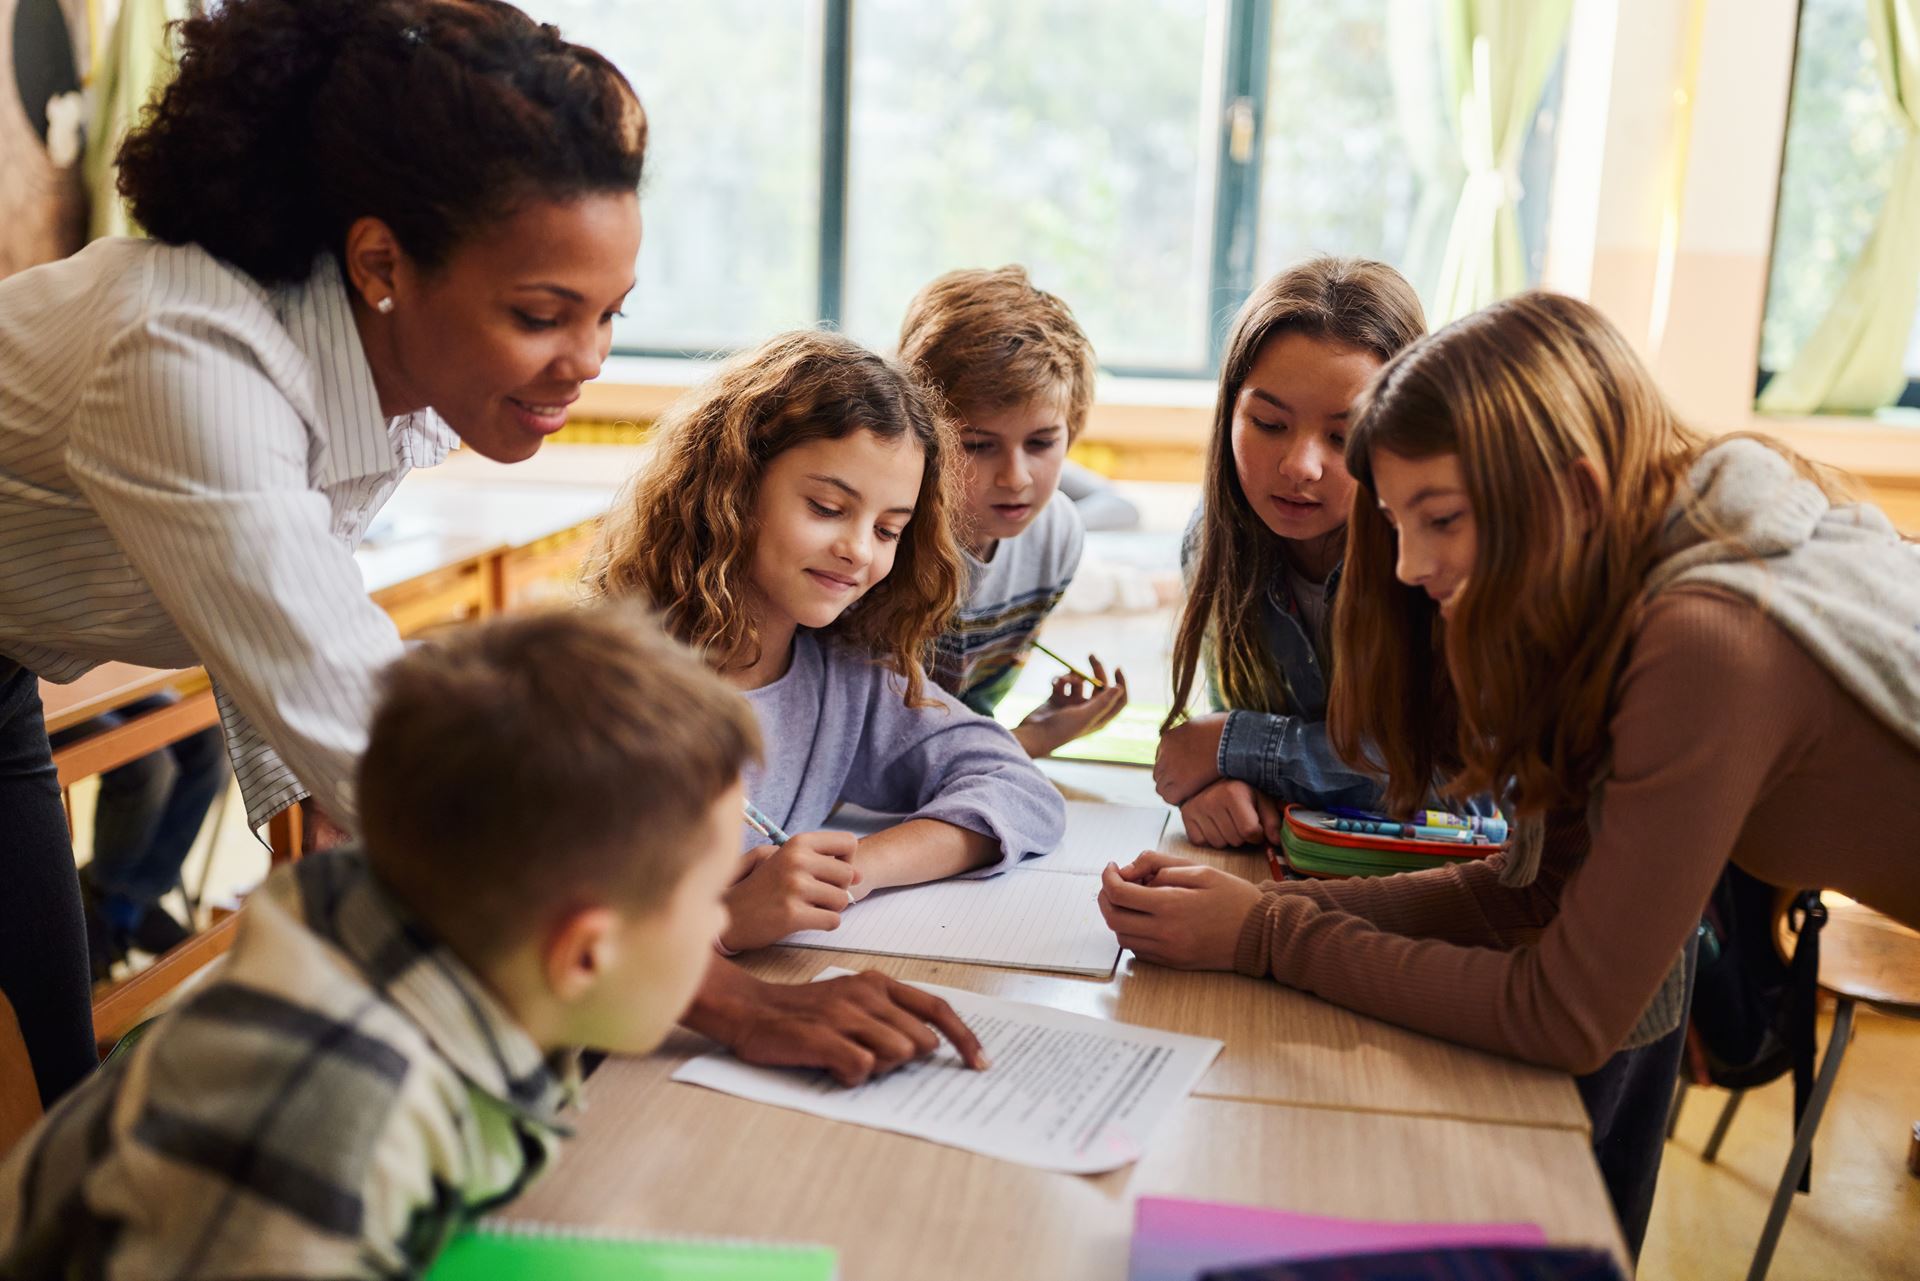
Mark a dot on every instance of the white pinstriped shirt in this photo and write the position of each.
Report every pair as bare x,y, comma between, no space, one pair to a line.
187,461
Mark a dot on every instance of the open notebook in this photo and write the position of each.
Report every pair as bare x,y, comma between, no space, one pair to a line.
1041,915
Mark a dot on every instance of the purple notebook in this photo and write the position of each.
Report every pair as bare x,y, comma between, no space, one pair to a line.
1176,1239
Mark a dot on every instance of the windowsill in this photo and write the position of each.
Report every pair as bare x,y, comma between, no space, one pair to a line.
1174,415
1149,412
1883,448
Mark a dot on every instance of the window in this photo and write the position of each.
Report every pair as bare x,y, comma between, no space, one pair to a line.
731,195
1148,160
1376,67
1842,140
1073,136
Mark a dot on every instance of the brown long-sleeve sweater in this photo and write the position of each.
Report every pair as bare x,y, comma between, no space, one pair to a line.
1729,741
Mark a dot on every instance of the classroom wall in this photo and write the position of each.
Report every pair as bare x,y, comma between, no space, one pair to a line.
1682,178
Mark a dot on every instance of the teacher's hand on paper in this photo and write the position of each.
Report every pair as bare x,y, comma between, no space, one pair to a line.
802,885
1189,757
1176,913
855,1027
1076,708
1230,813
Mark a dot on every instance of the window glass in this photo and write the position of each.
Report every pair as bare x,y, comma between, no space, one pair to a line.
1385,182
1077,137
1842,139
731,197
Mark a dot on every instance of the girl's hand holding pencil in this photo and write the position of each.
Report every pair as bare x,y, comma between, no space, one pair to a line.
802,884
1080,704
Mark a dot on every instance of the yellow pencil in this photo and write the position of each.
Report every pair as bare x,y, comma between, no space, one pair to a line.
1094,681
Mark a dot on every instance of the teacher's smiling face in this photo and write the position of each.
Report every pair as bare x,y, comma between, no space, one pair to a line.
500,337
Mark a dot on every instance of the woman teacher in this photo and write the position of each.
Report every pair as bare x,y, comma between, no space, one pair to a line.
380,227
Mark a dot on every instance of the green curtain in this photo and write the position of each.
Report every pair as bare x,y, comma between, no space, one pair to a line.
135,65
1425,118
1855,361
1498,54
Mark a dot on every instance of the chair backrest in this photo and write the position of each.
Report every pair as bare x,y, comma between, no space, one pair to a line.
19,1093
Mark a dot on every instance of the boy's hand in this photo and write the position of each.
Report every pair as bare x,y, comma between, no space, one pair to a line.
1229,813
1076,708
802,885
1189,757
1188,917
855,1027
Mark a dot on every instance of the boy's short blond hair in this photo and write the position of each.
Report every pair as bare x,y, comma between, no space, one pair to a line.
989,340
544,761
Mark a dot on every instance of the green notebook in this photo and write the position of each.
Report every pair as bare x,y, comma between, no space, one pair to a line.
536,1252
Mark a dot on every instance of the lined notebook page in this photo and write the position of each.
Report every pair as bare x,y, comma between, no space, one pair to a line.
1019,918
1099,834
1027,921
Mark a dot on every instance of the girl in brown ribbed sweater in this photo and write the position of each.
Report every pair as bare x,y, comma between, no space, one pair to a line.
1664,652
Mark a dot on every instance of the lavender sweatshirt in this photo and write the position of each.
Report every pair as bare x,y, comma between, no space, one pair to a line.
837,727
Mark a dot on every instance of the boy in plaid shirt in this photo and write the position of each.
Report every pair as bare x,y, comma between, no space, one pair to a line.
551,806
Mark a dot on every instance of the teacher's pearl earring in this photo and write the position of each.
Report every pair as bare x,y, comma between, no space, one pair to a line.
384,306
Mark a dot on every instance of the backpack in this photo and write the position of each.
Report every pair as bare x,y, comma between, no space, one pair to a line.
1752,1018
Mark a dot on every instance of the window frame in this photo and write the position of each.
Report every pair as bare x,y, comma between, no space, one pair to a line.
1236,196
1910,398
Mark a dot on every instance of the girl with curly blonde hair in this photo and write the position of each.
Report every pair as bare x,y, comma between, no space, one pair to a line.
794,526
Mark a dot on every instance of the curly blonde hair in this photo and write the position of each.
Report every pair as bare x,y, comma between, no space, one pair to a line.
682,536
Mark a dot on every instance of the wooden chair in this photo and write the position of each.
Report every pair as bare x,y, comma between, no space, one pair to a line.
114,1013
1865,959
120,1007
19,1093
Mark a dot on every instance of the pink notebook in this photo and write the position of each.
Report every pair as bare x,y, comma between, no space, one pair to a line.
1175,1239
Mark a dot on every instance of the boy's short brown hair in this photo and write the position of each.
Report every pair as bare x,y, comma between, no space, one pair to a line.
989,340
543,761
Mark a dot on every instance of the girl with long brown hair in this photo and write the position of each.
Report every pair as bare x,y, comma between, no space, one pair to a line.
795,527
1263,552
1666,652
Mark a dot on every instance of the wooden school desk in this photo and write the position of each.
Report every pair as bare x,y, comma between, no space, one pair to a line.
655,1156
1308,1108
110,687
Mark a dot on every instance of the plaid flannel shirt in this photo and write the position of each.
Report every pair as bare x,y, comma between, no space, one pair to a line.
341,1097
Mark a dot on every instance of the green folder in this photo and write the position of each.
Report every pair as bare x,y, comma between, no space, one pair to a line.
1131,738
516,1252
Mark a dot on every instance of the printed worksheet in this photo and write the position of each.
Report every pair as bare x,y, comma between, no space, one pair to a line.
1041,915
1065,1092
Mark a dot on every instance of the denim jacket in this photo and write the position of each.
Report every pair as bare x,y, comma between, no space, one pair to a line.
1287,755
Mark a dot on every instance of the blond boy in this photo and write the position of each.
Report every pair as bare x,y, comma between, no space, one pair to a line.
1017,376
551,806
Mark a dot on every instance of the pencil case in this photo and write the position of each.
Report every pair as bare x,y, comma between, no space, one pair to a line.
1311,846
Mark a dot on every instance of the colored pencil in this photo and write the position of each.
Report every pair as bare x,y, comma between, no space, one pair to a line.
760,823
1094,681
